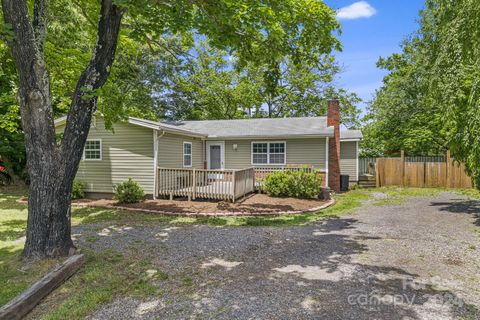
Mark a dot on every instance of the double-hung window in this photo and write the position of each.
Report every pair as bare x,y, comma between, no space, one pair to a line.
187,154
268,153
93,150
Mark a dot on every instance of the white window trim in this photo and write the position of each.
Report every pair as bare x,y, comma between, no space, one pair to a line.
101,153
268,154
222,153
184,154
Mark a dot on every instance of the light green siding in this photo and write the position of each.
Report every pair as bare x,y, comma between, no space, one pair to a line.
126,153
170,151
348,159
309,151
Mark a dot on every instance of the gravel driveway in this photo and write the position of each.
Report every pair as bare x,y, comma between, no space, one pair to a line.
416,260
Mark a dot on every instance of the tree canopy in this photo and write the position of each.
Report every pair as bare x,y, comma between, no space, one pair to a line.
209,84
168,69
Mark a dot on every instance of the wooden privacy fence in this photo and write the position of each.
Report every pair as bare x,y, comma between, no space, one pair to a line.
205,183
421,174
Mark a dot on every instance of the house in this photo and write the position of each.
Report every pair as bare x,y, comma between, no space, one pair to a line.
139,148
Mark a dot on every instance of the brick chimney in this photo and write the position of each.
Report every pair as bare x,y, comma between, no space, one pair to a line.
333,119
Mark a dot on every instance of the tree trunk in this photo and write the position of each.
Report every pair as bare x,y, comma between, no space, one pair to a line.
48,227
53,167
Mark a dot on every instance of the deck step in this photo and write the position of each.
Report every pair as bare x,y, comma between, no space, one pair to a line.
367,182
366,178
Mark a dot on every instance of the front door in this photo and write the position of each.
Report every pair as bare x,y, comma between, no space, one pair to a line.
216,155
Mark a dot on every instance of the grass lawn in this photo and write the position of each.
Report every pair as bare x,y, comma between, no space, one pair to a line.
111,274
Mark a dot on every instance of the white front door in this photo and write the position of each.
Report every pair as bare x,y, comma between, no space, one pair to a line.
216,155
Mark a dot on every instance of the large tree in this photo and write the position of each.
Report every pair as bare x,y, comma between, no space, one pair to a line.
263,32
430,99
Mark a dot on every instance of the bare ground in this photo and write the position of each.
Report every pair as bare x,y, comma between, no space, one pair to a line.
255,204
416,260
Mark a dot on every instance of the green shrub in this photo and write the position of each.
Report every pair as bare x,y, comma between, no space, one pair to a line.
128,192
276,184
297,184
78,190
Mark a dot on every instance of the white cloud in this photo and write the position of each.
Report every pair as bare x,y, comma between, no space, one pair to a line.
357,10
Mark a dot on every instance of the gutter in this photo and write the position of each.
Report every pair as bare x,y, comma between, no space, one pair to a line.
286,136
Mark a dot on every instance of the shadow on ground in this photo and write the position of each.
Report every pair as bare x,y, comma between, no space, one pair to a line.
308,272
12,229
471,207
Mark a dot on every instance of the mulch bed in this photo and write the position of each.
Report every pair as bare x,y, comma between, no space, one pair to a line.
256,204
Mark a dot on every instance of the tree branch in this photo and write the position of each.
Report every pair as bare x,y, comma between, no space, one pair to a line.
85,13
84,98
40,20
34,85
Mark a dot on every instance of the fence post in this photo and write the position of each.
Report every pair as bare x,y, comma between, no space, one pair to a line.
424,174
402,160
448,173
377,174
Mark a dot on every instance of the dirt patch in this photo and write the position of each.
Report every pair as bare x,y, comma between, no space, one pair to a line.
257,204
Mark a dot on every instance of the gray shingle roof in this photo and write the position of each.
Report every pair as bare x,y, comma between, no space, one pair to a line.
351,134
264,127
245,128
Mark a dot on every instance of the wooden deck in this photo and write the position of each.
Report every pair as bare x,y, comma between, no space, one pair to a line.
208,184
227,185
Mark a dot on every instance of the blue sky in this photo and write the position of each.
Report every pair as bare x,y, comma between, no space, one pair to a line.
371,29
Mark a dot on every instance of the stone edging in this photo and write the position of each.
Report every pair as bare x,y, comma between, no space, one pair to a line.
211,214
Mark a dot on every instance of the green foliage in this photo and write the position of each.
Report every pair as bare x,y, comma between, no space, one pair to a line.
430,99
212,84
12,148
276,184
78,189
297,184
401,116
129,191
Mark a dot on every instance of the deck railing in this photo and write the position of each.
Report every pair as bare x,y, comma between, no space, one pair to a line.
205,183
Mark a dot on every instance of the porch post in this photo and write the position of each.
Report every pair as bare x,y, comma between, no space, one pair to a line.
155,164
233,186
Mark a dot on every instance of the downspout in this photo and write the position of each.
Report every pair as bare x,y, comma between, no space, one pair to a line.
326,162
358,153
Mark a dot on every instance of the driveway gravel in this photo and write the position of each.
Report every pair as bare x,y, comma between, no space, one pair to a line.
415,260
